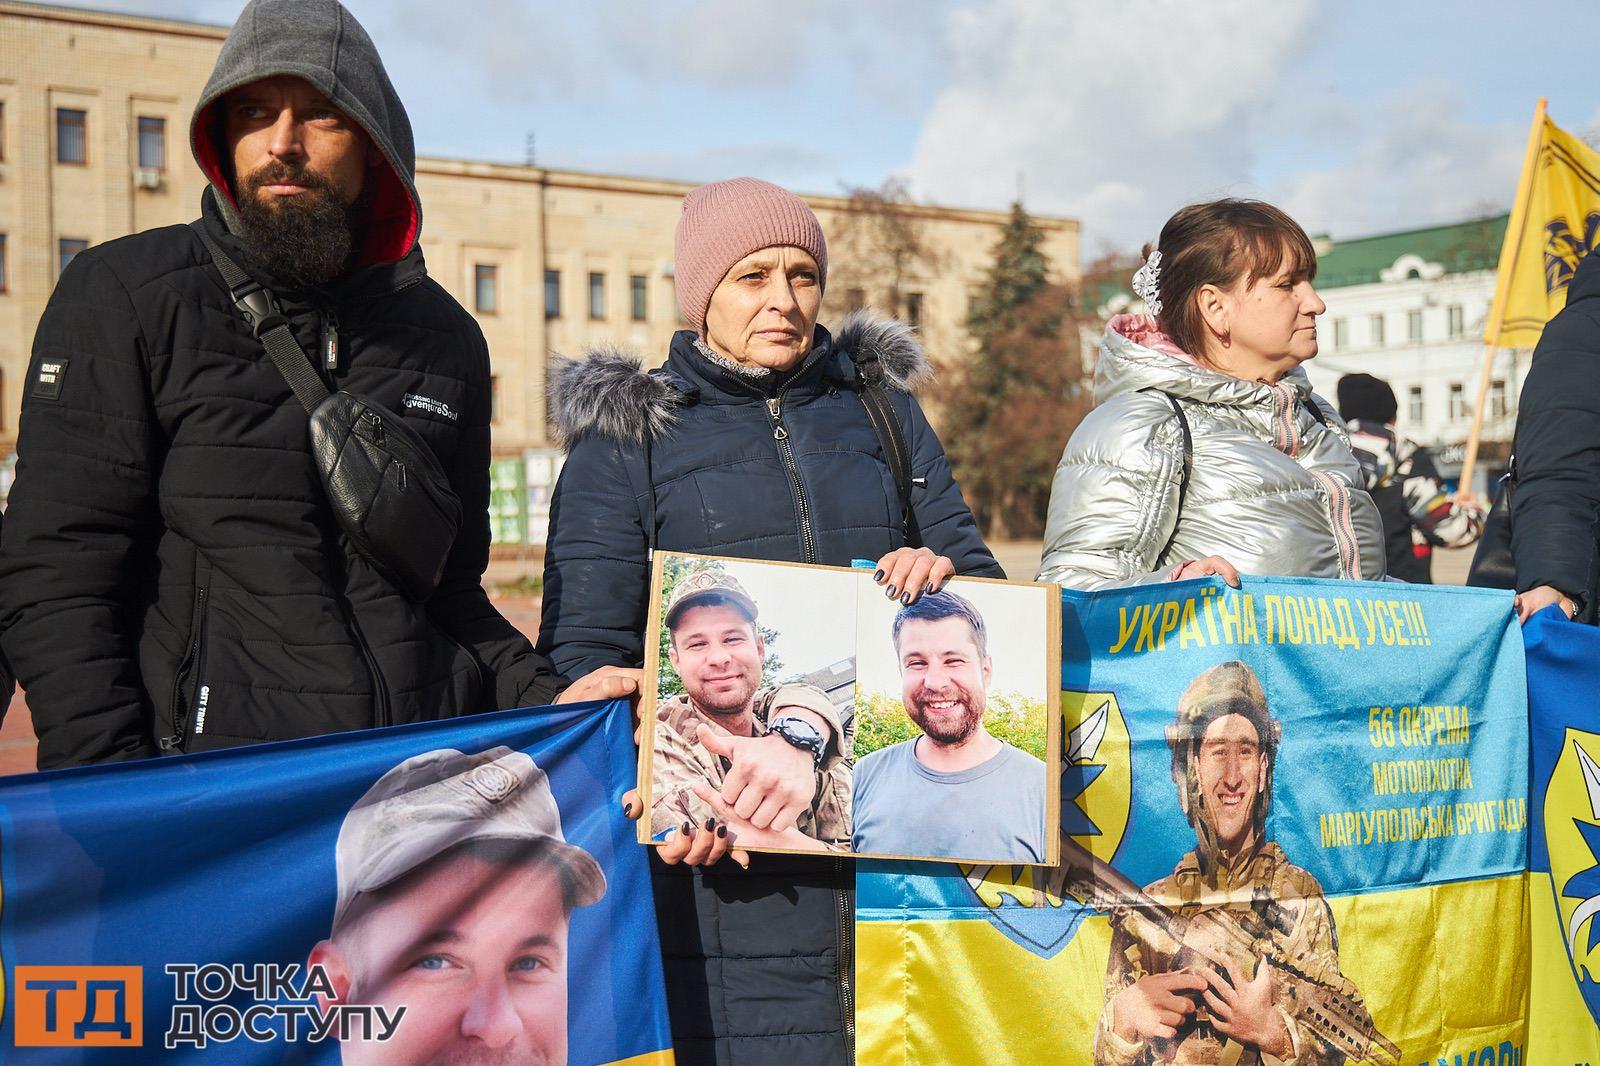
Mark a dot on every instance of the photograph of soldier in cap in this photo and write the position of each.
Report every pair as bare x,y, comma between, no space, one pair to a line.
741,760
954,788
1234,958
455,890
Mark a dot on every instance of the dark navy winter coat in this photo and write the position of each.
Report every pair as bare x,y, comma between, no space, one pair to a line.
759,963
1555,532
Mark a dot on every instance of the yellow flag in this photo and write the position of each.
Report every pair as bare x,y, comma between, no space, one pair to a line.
1554,224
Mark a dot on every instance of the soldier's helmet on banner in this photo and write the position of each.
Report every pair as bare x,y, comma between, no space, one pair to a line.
1227,688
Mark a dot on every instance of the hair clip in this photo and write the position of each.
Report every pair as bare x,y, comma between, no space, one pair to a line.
1147,282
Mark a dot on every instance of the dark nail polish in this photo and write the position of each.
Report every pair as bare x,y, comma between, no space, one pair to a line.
878,577
906,599
627,809
927,590
722,831
711,823
685,828
891,592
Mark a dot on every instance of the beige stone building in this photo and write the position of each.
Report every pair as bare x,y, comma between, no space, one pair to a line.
94,116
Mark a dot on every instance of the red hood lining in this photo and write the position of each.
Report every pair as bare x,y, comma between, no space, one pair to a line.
393,218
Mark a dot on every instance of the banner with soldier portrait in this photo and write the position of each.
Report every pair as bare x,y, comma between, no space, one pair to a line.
1295,824
465,891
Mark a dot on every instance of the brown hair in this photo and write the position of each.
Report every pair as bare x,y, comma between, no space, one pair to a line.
1218,243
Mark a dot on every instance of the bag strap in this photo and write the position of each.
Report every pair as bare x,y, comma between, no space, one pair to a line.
1183,470
881,413
260,310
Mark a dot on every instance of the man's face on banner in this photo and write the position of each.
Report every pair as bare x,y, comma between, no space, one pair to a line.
718,653
1233,772
943,678
476,951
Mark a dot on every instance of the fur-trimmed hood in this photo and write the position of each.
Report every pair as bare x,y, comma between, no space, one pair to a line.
609,392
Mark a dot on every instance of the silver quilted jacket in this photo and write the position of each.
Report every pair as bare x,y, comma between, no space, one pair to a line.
1272,488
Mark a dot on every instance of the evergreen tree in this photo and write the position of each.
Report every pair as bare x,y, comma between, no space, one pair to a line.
1009,407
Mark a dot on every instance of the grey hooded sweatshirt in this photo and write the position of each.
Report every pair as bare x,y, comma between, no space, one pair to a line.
321,43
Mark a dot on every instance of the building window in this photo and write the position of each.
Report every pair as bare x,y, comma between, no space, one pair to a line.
597,296
2,131
494,398
3,281
552,294
1414,405
638,305
1458,401
1497,400
1377,331
485,288
1458,320
1341,333
72,136
914,309
66,249
152,143
1414,325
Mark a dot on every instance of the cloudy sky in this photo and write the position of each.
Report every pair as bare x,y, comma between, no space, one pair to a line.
1356,115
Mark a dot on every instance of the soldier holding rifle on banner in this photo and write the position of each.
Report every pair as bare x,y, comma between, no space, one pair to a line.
1168,998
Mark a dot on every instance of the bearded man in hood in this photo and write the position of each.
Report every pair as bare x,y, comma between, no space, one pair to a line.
172,577
1177,1008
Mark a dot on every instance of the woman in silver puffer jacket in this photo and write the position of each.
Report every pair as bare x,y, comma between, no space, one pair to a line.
1208,453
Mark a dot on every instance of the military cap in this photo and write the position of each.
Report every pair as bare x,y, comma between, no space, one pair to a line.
434,801
707,586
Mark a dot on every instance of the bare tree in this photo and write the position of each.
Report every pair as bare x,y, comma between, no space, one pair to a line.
881,247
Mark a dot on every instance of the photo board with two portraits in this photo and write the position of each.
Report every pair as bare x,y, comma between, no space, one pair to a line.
802,709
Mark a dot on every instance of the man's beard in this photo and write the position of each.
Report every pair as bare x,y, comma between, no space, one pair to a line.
724,704
301,241
943,730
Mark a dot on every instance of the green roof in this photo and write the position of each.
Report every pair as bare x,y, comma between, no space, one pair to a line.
1458,247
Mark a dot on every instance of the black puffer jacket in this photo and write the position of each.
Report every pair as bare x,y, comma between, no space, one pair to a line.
1555,531
759,963
171,577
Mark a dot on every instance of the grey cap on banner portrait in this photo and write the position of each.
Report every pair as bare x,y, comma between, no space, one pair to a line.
432,802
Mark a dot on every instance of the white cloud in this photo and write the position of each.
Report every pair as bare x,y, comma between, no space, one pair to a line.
1417,162
1115,111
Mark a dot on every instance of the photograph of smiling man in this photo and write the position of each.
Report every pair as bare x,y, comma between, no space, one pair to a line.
961,786
748,745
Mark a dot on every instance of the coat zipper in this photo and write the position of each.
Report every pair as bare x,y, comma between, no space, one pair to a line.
847,957
1345,543
189,665
808,541
330,341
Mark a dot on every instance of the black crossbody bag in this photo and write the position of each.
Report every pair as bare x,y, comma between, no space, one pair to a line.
381,479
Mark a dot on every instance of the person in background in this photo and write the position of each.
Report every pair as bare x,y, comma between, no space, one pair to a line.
754,440
1418,512
1208,453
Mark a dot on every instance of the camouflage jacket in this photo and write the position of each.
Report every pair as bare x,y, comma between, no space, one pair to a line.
1310,945
680,761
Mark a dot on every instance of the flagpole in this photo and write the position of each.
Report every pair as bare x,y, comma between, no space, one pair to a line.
1497,311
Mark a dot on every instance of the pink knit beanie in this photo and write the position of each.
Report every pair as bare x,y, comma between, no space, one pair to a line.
727,220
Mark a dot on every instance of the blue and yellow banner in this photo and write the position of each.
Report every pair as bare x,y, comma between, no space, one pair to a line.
1296,821
1564,847
464,891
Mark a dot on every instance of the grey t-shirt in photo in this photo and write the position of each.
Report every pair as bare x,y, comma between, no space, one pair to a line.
993,811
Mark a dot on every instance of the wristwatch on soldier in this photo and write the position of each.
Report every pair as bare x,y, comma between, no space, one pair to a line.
802,734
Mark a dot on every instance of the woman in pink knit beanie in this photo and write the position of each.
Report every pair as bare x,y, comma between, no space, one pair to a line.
754,440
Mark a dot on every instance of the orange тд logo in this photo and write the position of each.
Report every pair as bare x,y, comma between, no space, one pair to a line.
79,1006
